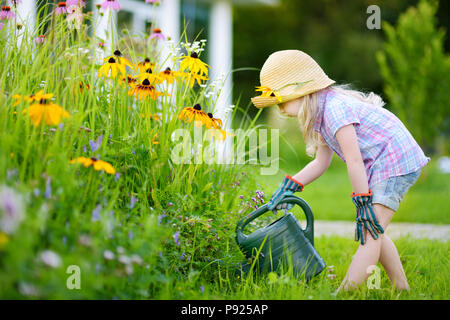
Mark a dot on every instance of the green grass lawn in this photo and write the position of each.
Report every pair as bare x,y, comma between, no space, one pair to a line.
425,263
329,195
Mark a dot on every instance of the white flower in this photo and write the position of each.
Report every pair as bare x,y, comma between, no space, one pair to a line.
108,255
136,259
51,259
74,17
124,259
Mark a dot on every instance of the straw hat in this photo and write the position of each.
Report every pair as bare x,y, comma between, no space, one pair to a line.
287,75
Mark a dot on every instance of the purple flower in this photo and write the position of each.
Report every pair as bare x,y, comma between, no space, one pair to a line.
84,148
48,188
111,4
40,40
160,218
182,256
130,235
176,237
117,176
202,288
133,200
61,8
96,144
11,209
157,34
96,213
6,13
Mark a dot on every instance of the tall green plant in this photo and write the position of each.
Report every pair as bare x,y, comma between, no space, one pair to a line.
416,72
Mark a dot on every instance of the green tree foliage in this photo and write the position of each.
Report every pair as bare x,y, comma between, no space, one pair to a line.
416,72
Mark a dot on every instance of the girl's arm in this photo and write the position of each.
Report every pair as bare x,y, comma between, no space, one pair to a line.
346,137
315,168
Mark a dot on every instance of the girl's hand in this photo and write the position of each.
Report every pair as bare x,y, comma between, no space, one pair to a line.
287,188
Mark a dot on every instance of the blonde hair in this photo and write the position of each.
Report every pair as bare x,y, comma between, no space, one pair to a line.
309,106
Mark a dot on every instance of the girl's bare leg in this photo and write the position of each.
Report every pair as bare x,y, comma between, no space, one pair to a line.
373,251
390,260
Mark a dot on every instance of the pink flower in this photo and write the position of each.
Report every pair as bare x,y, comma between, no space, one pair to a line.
61,8
6,13
74,17
157,34
75,3
41,39
152,1
111,4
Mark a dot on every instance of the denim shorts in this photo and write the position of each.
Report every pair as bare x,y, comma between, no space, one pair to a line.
390,192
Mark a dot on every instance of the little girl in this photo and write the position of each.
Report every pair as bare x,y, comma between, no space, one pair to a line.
383,159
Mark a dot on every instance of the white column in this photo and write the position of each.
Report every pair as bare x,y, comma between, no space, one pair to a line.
26,15
220,59
138,23
169,23
102,24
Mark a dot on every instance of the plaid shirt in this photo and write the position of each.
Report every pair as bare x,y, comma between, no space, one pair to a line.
387,147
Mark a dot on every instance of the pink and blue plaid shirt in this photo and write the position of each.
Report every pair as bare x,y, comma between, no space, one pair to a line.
387,147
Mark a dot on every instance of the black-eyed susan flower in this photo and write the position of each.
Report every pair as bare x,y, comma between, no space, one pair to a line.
167,75
81,86
39,96
97,164
46,111
111,64
144,89
193,64
145,65
214,122
150,76
129,80
122,60
191,77
195,114
219,134
267,92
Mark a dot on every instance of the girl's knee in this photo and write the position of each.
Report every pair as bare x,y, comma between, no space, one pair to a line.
384,214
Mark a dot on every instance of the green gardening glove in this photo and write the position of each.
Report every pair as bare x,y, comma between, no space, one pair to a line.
287,188
365,217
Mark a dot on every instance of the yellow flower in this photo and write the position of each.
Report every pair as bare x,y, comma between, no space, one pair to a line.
122,60
111,64
193,64
220,134
145,65
195,114
144,90
167,75
267,92
50,113
97,164
130,80
191,78
153,116
4,239
155,138
38,96
213,122
150,76
18,99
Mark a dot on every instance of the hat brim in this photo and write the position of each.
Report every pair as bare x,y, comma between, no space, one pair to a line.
264,102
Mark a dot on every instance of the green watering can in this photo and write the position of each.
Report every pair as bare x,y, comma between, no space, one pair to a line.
282,242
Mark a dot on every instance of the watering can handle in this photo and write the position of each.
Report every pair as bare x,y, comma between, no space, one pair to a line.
309,230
